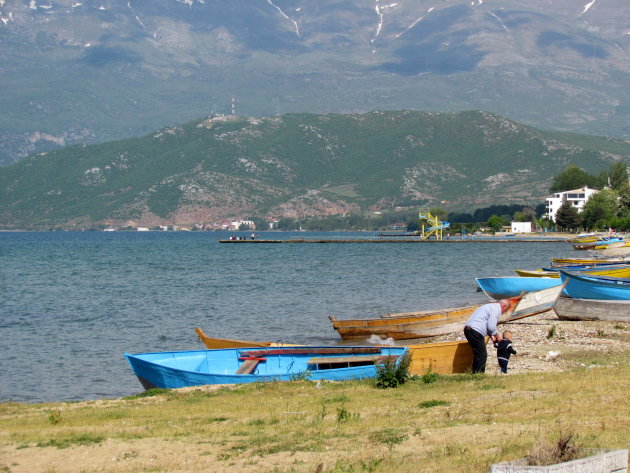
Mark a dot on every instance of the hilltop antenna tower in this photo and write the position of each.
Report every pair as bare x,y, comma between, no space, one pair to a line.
233,105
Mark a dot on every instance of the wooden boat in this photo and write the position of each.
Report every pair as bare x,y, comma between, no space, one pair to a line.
600,244
409,325
617,271
440,358
512,286
581,286
561,262
568,308
585,238
612,244
585,246
535,302
218,343
178,369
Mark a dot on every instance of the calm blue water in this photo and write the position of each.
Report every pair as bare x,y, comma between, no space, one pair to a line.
72,303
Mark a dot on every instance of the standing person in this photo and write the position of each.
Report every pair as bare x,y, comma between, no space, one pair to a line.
504,350
483,322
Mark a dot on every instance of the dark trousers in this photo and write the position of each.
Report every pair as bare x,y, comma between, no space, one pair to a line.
504,365
478,344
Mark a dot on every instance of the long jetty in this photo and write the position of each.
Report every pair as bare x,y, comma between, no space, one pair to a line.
402,240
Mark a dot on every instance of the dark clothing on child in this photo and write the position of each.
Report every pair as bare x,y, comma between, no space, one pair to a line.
504,350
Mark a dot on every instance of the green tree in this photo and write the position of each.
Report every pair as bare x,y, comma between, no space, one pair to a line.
544,223
521,217
568,217
413,226
600,209
495,222
572,178
624,199
618,175
439,212
530,214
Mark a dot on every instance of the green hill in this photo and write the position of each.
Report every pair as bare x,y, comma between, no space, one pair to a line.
297,165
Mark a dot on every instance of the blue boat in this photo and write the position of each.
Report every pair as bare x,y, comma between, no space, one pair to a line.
178,369
581,286
513,286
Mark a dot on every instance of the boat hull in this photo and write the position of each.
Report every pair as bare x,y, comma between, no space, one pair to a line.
512,286
213,343
440,358
403,327
595,287
562,262
567,308
410,325
617,271
171,370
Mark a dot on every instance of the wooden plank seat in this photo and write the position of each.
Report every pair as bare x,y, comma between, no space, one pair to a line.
249,364
307,350
332,362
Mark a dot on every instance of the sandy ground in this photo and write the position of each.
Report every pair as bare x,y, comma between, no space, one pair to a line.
545,343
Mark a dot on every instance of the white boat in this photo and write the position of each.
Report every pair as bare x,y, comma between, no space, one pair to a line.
567,308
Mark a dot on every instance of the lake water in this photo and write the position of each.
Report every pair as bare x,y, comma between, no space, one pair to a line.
71,303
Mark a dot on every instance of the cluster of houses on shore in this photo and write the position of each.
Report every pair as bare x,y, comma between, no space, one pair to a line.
577,198
226,225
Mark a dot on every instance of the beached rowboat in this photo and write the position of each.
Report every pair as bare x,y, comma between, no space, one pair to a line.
212,343
178,369
568,308
562,262
617,271
511,286
581,286
409,325
440,358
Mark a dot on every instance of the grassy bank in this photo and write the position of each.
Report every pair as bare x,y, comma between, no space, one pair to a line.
458,423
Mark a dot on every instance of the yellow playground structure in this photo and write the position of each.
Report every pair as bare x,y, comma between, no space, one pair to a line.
434,226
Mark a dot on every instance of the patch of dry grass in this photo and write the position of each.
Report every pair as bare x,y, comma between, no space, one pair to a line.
462,422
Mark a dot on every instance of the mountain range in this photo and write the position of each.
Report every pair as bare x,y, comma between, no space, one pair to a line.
296,166
90,71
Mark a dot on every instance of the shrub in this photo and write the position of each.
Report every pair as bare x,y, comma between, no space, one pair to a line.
429,377
343,415
393,373
433,403
561,450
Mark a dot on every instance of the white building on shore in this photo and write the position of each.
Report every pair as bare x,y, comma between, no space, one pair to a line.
577,197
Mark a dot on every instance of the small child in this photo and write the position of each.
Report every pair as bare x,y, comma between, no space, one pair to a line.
504,350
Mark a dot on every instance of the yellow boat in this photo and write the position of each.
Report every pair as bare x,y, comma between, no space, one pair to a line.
220,343
586,238
440,358
590,261
408,325
616,272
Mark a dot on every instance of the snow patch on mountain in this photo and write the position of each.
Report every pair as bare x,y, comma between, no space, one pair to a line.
499,20
415,23
295,24
587,7
380,11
